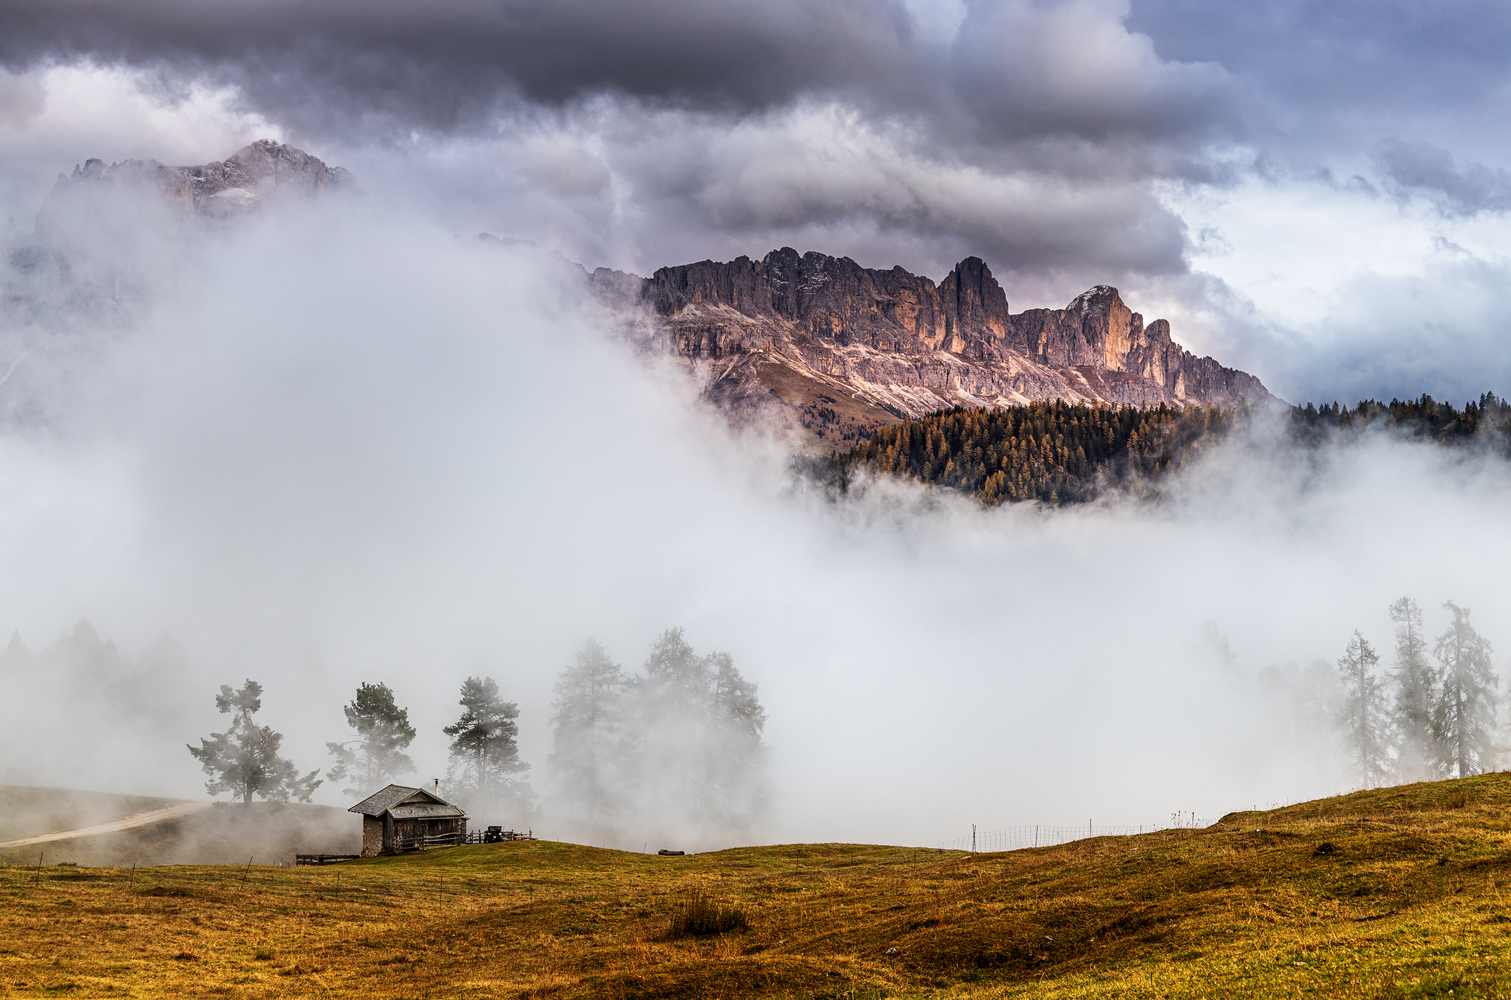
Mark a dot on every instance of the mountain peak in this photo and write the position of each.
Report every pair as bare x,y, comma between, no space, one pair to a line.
841,349
1097,298
257,174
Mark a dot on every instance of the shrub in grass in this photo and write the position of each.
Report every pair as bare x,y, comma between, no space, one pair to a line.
698,915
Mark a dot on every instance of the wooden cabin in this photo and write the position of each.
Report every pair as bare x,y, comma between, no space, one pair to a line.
399,818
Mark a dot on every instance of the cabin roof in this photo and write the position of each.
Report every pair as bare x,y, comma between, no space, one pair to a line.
425,810
406,803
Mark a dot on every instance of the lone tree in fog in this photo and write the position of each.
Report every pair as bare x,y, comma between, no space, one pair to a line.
700,732
1363,712
244,759
1465,713
590,738
1415,683
484,751
383,733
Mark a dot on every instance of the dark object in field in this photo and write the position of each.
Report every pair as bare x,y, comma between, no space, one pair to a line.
1326,847
670,854
497,835
699,916
323,859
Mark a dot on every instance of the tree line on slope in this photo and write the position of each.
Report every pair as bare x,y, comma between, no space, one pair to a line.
682,740
1056,452
1424,417
1430,716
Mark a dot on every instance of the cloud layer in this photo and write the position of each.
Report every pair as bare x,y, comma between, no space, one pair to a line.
839,117
1159,145
349,447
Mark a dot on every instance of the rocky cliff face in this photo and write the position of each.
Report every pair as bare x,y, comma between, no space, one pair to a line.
842,347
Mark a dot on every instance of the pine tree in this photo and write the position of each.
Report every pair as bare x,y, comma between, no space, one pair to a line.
1363,713
589,734
677,748
737,781
672,721
676,678
1465,714
701,733
1415,684
383,733
244,759
484,747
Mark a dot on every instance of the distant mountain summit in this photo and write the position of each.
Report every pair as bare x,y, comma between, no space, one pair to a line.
103,230
843,349
254,175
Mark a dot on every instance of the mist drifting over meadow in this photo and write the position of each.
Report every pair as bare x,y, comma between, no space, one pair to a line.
344,444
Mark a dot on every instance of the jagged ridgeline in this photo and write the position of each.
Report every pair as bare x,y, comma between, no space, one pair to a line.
1054,452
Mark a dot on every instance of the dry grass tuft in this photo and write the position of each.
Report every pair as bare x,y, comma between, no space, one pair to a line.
699,915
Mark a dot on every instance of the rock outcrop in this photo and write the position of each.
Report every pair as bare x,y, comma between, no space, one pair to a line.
104,232
259,174
843,348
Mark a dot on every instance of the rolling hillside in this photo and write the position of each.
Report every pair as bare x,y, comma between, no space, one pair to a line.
1397,892
204,833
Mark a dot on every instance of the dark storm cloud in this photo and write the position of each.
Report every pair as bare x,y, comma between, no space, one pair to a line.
1019,68
1421,168
1029,133
1029,69
447,64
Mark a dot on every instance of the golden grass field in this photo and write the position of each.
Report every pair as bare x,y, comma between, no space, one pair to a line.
1410,903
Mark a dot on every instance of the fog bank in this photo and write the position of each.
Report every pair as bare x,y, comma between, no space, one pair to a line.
345,446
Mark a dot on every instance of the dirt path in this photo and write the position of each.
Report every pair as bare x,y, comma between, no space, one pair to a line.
129,823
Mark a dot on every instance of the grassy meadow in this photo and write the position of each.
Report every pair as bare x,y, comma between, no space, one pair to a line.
1398,892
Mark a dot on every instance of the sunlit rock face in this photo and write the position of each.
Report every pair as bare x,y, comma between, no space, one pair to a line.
839,346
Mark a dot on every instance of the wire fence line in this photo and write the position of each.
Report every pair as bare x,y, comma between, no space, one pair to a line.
1018,838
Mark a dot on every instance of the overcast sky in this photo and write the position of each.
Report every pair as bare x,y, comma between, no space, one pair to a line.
1315,193
342,445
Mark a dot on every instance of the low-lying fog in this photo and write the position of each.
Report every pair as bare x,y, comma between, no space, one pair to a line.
338,446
